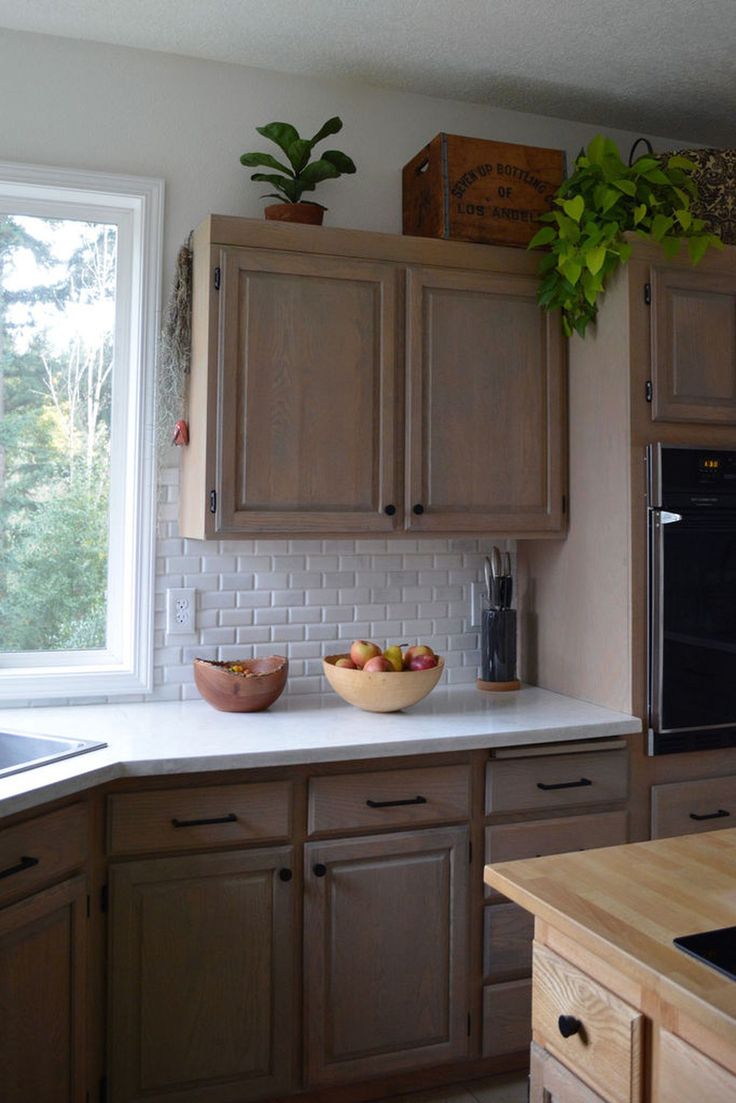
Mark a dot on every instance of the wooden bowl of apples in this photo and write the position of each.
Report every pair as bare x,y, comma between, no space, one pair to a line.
383,681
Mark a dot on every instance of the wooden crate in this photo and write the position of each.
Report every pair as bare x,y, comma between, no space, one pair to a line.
476,190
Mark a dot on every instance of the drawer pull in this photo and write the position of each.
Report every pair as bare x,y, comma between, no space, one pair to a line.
229,818
719,815
569,1025
395,803
319,870
285,874
565,784
24,863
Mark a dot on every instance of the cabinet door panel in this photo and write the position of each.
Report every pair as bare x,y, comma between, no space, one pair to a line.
385,953
308,405
693,346
42,980
485,404
202,965
551,1082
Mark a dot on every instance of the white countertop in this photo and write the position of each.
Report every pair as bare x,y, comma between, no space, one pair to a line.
190,737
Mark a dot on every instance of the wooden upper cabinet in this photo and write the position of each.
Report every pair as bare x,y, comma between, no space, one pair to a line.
693,345
485,405
386,954
42,985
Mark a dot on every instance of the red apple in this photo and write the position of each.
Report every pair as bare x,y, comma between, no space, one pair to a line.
346,662
361,651
423,662
413,652
377,664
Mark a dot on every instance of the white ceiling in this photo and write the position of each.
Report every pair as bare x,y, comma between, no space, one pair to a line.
662,67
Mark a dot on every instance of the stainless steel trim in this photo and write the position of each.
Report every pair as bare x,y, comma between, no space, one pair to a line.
654,481
668,518
656,616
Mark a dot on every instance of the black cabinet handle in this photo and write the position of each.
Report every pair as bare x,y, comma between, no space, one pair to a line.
390,510
569,1025
395,803
719,815
418,508
285,874
319,870
565,784
24,863
229,818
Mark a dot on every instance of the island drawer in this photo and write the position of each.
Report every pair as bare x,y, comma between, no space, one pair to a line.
197,818
507,1018
389,798
551,1082
556,781
508,931
505,842
684,807
41,850
589,1029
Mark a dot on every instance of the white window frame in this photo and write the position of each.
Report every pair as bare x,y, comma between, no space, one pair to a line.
135,205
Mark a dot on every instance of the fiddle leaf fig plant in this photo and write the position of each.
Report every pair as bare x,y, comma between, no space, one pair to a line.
300,174
601,201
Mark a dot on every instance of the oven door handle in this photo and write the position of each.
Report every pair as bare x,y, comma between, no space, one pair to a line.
667,518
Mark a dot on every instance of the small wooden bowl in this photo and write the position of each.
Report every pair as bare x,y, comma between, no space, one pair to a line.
380,691
251,692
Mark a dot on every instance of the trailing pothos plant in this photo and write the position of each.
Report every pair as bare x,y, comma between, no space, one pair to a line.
301,174
595,207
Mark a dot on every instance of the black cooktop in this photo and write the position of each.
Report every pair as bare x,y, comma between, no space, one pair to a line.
714,948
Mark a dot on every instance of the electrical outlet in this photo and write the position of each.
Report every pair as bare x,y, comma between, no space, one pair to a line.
181,608
478,602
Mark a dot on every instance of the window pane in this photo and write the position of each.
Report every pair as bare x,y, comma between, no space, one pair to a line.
57,326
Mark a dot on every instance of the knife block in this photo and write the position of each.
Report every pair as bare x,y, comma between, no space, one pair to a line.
498,650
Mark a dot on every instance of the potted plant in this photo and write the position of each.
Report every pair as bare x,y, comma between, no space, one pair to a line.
301,174
601,201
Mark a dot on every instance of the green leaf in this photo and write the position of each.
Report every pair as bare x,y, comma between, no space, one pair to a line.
671,246
611,197
299,153
628,187
644,164
677,161
639,213
289,187
684,218
594,259
574,208
660,226
542,237
600,148
656,176
571,270
341,161
332,126
283,134
697,247
265,159
318,171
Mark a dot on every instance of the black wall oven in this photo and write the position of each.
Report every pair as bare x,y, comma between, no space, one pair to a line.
692,598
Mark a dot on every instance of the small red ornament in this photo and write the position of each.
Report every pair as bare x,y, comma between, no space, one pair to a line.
181,433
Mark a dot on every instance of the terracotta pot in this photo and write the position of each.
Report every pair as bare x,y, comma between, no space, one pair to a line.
296,212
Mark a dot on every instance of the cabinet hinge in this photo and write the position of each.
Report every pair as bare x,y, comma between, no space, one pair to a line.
89,905
217,279
648,294
648,390
213,501
104,898
470,851
103,1090
469,1022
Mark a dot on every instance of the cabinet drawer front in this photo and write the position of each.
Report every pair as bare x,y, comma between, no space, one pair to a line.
389,798
505,842
41,849
507,1018
684,807
508,932
551,1082
606,1050
683,1074
190,819
556,781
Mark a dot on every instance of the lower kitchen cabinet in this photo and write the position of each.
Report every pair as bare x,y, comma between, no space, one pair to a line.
551,1082
42,984
203,977
386,953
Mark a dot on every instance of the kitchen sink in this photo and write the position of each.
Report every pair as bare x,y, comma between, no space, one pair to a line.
25,752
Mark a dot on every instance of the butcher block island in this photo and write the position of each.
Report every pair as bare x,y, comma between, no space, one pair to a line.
619,1013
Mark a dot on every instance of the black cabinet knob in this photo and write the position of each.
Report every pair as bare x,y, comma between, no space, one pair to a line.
569,1025
285,874
390,510
418,508
319,870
